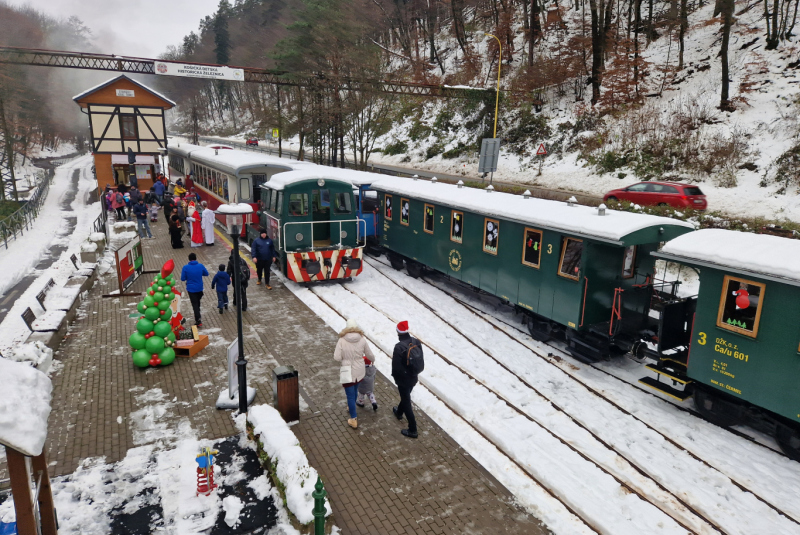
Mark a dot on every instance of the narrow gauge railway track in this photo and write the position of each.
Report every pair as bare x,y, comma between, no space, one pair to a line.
701,523
487,316
593,390
499,447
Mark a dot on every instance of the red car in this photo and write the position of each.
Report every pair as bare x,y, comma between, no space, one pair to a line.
672,194
252,141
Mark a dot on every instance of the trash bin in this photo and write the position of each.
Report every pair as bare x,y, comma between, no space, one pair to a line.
286,389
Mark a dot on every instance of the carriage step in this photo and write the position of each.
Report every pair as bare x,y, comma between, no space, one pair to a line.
655,384
675,376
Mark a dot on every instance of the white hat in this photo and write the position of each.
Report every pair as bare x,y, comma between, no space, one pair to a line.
352,324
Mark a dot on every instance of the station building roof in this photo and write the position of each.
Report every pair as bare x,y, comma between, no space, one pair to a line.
102,94
619,228
756,255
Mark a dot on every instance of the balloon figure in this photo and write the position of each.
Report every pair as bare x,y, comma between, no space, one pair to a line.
157,328
742,298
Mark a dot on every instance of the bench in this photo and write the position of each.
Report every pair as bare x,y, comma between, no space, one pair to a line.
49,328
64,299
84,275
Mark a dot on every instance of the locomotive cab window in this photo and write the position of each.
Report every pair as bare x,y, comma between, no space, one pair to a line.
456,226
428,219
491,235
629,262
298,204
571,252
387,207
279,207
405,208
740,306
272,201
342,204
532,248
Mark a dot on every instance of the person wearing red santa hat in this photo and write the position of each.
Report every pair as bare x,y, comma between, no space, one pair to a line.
407,363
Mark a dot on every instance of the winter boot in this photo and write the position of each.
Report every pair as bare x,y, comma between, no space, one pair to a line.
220,311
409,434
396,414
360,400
353,422
372,400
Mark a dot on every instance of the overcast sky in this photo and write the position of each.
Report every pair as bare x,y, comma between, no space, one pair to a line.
140,28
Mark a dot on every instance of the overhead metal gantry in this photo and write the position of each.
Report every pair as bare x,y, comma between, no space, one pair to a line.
105,62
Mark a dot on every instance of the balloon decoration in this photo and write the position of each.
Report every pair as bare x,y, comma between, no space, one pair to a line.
156,329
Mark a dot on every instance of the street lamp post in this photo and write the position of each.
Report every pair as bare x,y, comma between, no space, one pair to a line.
497,97
234,219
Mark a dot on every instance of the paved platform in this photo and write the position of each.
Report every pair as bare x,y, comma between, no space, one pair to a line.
379,482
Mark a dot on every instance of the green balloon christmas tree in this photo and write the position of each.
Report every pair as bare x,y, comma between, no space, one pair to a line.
157,327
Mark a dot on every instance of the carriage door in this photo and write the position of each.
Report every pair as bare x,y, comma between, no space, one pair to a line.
321,207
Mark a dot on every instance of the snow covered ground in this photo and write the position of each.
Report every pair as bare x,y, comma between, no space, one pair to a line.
66,200
580,449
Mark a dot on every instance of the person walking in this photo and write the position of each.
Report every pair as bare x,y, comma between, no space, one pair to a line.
221,281
350,351
135,195
244,276
207,223
159,189
118,204
141,213
407,363
263,251
192,274
366,388
169,206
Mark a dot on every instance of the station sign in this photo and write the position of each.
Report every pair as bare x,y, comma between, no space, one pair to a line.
193,70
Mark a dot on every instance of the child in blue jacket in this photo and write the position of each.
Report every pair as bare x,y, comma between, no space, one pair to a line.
221,281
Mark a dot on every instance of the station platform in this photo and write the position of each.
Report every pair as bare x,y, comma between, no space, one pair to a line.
378,481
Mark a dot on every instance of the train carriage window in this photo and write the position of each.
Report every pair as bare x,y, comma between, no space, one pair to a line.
387,207
298,204
272,201
428,224
532,248
629,262
571,252
456,226
405,208
244,189
279,208
342,204
225,191
491,235
740,306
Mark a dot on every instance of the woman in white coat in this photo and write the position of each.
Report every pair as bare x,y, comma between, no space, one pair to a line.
350,351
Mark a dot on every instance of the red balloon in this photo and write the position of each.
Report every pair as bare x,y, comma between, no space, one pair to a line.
155,356
152,292
155,304
169,283
152,333
167,268
152,362
162,312
742,300
158,362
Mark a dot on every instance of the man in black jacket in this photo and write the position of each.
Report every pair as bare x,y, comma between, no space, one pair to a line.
405,378
244,275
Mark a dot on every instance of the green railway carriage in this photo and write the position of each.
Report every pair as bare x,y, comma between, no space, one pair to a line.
578,269
312,219
745,343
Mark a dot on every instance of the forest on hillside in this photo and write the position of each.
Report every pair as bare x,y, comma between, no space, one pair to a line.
603,58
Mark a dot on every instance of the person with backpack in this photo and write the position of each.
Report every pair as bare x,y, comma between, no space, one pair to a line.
118,204
350,352
244,276
407,363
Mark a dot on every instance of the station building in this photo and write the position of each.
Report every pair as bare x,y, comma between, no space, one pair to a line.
125,114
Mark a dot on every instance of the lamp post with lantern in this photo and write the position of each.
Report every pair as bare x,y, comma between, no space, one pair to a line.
234,219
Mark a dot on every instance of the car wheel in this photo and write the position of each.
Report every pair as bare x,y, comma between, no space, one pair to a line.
612,199
662,204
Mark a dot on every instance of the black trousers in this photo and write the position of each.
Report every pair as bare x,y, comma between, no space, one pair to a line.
244,297
195,298
404,408
262,267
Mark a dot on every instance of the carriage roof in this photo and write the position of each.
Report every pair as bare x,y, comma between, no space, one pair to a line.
181,148
281,181
758,255
615,226
235,161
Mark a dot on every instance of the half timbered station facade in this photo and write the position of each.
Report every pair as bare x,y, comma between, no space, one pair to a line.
125,114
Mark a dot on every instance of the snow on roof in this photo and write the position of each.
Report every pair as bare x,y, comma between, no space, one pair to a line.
315,172
235,161
131,80
24,407
184,149
578,220
739,251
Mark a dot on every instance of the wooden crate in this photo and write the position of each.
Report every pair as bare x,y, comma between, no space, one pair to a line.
194,349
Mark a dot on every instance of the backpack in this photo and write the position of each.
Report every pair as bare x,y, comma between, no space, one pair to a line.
120,198
415,361
245,270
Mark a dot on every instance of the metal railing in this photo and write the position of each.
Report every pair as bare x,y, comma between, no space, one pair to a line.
101,223
22,220
357,221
